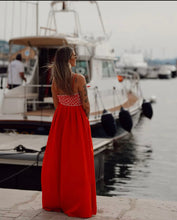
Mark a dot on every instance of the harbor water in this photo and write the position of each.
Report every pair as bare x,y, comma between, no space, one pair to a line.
144,163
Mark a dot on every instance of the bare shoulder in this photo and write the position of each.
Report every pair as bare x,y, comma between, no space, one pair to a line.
81,79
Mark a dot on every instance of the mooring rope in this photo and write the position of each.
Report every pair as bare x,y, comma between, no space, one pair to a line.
101,100
114,101
22,148
17,173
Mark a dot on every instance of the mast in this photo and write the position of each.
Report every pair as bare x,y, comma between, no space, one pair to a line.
37,14
37,17
99,13
100,16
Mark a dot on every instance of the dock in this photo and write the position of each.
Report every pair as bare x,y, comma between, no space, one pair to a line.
17,168
26,205
35,142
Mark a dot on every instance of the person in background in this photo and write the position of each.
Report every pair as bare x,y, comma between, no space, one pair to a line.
68,173
16,72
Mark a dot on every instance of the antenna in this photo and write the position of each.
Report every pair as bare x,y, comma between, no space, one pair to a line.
99,13
37,18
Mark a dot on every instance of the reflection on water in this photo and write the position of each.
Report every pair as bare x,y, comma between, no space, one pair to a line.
143,165
121,166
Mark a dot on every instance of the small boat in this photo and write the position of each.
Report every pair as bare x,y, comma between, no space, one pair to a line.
115,99
172,68
165,72
152,72
134,62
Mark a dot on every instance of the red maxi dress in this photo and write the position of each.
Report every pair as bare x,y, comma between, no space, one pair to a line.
68,175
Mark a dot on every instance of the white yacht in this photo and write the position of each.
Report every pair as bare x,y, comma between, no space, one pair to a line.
133,61
29,107
165,71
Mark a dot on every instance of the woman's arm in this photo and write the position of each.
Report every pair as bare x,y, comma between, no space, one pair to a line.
84,95
54,94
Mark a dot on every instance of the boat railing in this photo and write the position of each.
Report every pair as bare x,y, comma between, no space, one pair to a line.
3,80
34,101
38,100
131,81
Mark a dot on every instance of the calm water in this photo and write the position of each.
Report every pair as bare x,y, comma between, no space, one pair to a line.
144,164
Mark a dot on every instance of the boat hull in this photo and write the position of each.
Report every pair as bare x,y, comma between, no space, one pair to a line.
43,127
164,76
98,130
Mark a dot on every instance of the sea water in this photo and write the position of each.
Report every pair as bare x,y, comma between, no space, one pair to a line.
144,163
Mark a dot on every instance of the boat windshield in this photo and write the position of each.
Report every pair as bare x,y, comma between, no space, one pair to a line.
108,69
82,68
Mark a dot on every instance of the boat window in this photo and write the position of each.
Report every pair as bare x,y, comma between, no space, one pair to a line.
108,69
82,68
29,66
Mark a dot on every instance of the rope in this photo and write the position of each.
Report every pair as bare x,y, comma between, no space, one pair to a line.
96,103
26,17
114,103
21,147
100,97
37,158
17,173
20,22
5,17
118,98
13,11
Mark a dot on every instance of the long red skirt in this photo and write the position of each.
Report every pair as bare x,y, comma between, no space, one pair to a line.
68,174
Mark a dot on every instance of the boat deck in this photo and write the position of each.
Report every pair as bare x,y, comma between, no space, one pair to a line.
11,140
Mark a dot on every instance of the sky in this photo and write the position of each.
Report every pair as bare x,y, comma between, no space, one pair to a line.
149,27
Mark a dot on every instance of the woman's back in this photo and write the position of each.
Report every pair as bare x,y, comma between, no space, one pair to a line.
72,83
79,97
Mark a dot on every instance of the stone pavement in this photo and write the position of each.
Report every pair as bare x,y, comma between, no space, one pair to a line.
26,205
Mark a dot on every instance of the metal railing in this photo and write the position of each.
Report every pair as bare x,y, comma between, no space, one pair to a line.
35,98
132,81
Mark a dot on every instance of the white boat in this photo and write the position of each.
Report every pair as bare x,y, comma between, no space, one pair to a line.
172,68
134,62
152,72
165,72
29,107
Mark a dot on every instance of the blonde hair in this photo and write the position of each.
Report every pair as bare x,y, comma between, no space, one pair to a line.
61,71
